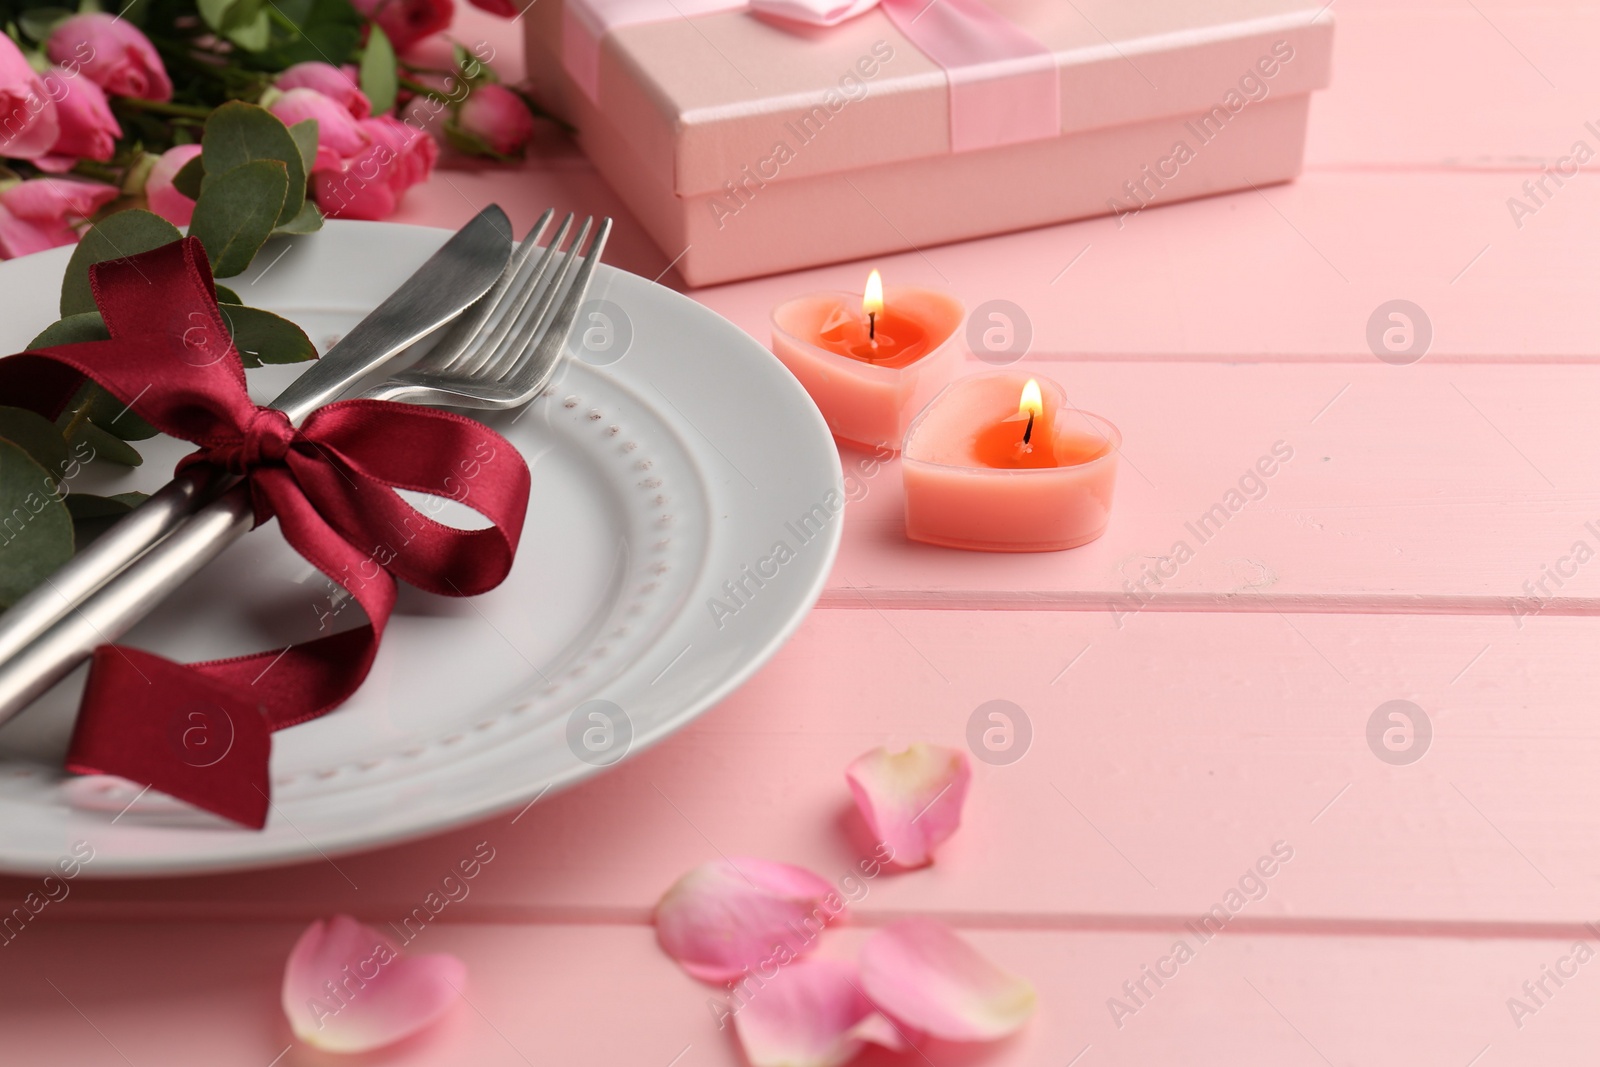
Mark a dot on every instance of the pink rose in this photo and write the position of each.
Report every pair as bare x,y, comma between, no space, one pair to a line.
370,185
88,128
406,22
337,85
112,53
497,116
339,136
43,213
29,124
164,198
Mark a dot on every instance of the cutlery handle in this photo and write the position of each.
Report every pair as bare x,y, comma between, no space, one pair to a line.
113,609
29,618
109,609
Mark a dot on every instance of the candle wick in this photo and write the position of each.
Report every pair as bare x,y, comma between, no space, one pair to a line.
872,325
1028,433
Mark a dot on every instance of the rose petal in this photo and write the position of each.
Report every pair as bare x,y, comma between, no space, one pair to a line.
911,800
729,916
811,1014
346,988
163,197
924,976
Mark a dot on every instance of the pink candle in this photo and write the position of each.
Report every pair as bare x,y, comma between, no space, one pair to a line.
870,362
1002,463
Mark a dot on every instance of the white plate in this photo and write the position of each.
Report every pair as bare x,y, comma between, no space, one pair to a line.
657,478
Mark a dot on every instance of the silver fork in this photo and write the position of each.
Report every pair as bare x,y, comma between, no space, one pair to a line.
500,354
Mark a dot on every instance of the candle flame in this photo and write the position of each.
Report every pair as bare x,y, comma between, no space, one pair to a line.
872,300
1032,400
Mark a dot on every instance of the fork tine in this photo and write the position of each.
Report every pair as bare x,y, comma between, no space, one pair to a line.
510,311
532,373
468,328
531,324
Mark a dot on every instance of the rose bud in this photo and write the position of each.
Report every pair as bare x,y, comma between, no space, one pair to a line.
113,54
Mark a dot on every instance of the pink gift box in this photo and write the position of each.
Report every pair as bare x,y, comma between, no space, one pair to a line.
748,145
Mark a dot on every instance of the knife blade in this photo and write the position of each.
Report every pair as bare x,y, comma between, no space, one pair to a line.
454,277
450,281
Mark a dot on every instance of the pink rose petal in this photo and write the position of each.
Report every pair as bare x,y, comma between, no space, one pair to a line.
925,977
811,1014
346,987
163,197
911,800
729,916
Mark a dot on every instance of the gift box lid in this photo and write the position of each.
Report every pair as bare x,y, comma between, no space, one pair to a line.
718,97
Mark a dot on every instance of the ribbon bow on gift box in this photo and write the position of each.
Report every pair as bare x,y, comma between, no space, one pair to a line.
331,484
1004,82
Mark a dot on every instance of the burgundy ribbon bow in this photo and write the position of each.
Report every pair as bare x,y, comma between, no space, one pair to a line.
202,732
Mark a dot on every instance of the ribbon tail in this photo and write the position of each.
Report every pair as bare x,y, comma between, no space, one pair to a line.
175,729
1005,84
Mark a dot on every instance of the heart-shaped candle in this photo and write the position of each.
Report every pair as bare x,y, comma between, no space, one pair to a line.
870,361
1002,463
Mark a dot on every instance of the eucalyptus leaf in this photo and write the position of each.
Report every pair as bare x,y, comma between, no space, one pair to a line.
71,330
238,133
326,30
308,221
39,22
244,22
380,74
190,175
227,296
214,12
262,337
237,210
304,133
37,436
105,445
114,416
249,26
117,236
35,527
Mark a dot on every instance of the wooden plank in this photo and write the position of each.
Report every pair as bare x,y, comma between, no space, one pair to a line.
1166,758
206,994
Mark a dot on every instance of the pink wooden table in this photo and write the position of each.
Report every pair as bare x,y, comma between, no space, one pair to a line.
1175,738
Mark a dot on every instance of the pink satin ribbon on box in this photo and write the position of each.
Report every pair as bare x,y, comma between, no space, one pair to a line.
1004,83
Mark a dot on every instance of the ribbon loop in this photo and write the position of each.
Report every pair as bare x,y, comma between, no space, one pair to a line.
202,732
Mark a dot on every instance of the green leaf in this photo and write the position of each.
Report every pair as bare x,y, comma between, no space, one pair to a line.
37,436
308,221
262,337
88,506
105,445
304,133
74,329
238,133
187,180
35,527
103,409
244,22
39,22
227,296
118,236
326,30
237,211
380,75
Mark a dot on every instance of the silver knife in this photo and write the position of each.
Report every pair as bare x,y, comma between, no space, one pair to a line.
450,281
